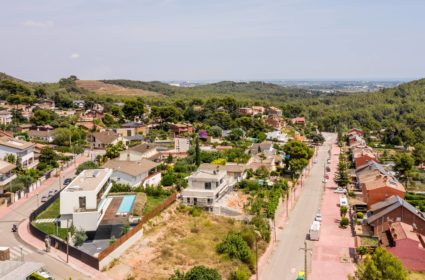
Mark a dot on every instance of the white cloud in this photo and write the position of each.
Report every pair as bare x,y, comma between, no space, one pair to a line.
38,24
75,56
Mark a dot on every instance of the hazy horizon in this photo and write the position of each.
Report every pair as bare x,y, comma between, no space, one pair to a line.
186,40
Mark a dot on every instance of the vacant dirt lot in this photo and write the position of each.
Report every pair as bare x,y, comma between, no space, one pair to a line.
103,88
177,240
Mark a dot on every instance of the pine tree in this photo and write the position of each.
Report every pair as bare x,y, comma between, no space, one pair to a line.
342,179
197,152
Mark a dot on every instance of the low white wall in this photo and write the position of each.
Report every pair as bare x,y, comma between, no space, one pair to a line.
120,250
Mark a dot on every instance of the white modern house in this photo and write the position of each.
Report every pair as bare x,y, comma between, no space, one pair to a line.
83,202
206,187
134,173
277,136
6,174
22,150
181,145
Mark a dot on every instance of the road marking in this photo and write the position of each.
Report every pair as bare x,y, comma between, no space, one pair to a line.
15,251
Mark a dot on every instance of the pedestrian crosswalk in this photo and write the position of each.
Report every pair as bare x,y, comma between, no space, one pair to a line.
18,252
50,220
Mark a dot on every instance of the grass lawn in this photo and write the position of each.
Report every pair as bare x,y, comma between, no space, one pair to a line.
369,241
50,228
152,202
51,212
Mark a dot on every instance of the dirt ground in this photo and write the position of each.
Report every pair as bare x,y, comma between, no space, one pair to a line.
103,88
177,240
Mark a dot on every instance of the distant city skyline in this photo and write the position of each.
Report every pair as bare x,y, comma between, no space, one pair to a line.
188,40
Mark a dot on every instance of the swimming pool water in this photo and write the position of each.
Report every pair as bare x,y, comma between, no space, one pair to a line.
126,204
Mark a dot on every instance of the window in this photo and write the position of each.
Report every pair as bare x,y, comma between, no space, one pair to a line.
195,201
128,132
188,200
82,202
209,200
208,186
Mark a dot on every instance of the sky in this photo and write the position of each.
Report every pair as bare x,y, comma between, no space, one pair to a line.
46,40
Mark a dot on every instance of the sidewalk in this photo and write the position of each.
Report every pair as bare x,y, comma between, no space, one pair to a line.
47,183
24,234
331,254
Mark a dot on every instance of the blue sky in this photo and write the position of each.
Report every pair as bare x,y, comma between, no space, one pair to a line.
45,40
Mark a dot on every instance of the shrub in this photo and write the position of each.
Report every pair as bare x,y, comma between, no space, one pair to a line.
344,222
360,215
86,165
117,187
195,211
343,211
79,237
236,247
242,273
168,179
261,224
249,236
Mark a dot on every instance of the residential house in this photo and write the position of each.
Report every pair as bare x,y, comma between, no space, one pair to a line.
46,104
6,174
246,111
5,117
236,171
181,145
139,152
134,173
206,187
407,244
356,131
22,150
356,141
258,110
89,126
263,156
298,121
378,187
274,121
265,146
90,115
99,140
138,128
83,202
78,103
277,136
274,111
98,107
181,128
41,135
362,156
394,209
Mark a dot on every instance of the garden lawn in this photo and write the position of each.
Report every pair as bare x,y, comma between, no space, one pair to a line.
50,228
51,212
152,202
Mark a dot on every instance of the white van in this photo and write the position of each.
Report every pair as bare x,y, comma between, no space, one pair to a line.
314,232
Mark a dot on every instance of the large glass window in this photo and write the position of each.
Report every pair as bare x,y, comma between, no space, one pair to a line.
208,186
82,202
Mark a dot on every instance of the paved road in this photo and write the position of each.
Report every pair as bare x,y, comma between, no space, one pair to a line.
58,269
287,258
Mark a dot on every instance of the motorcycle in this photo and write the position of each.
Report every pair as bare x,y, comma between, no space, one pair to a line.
14,228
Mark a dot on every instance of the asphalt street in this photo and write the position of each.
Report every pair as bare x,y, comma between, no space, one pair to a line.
287,259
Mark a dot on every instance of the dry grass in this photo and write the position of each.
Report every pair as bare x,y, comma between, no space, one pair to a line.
103,88
176,240
416,276
139,204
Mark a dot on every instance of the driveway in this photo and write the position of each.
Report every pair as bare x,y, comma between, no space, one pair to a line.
286,258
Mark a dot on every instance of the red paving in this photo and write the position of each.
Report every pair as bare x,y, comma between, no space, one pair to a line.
335,243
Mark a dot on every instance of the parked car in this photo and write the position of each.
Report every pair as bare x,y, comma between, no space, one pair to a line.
52,192
325,181
326,176
340,190
318,217
314,232
44,198
67,181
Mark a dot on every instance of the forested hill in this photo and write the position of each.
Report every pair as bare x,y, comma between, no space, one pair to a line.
399,113
224,88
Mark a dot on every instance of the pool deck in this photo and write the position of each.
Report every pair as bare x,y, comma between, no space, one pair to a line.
110,217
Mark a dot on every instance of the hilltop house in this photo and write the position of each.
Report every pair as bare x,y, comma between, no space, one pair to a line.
277,136
5,117
84,201
298,121
134,173
274,111
181,128
356,131
22,150
235,171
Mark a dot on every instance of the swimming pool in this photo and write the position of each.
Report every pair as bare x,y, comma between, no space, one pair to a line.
126,204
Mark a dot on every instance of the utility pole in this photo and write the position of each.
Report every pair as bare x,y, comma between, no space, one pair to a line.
306,250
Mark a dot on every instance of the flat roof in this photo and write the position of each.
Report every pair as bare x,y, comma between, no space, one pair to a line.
133,168
89,180
16,270
15,143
